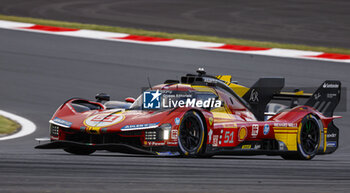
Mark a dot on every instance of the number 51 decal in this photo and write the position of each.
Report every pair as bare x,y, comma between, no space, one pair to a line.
229,137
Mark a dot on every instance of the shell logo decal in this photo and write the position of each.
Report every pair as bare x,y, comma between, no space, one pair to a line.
242,133
103,120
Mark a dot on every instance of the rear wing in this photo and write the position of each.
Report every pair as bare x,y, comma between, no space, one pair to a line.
325,99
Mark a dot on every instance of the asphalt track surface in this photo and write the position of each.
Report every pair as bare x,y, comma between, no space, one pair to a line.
38,72
311,22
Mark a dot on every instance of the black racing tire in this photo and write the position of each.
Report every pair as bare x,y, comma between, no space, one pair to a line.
192,135
308,139
79,151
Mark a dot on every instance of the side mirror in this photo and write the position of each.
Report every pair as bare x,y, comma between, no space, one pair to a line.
129,100
102,97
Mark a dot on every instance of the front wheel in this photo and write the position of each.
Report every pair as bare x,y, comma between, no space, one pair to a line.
79,151
192,135
308,139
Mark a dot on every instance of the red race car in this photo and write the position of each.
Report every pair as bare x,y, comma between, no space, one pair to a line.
202,116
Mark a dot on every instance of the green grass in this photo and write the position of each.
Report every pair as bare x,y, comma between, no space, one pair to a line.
8,126
173,35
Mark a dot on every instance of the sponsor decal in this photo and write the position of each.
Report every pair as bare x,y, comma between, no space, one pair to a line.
329,135
242,133
257,146
215,140
154,143
93,130
151,99
266,129
172,143
168,153
281,145
255,130
246,146
62,122
331,144
331,95
103,120
254,96
330,85
285,125
174,134
209,80
317,96
177,121
211,120
140,126
229,125
210,134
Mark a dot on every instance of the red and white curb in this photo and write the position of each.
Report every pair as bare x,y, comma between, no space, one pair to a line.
122,37
27,127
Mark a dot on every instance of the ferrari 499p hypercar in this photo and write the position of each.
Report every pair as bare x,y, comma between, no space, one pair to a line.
201,116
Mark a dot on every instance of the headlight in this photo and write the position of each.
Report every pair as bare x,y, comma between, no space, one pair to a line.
161,133
166,130
151,135
54,130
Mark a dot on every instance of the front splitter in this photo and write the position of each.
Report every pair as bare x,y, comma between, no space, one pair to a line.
121,148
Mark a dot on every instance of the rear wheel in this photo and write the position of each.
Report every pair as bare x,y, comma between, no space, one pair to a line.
79,151
192,134
308,139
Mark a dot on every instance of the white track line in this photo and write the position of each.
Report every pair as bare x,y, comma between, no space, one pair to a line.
28,127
